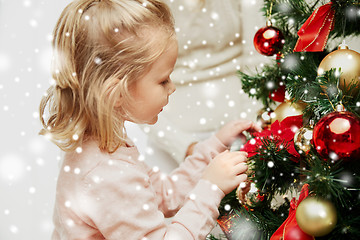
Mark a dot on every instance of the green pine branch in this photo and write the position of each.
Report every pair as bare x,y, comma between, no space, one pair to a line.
322,95
298,71
340,183
260,85
274,170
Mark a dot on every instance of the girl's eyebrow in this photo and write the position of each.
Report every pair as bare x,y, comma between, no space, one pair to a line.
167,74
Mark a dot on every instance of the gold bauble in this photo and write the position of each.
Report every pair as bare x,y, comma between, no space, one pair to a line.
241,192
264,117
316,217
349,62
302,140
288,109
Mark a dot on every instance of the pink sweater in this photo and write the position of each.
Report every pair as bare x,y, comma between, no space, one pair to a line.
117,196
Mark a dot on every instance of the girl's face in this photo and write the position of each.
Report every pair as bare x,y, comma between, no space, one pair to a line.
151,92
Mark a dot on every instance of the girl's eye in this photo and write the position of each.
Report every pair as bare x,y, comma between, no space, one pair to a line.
164,82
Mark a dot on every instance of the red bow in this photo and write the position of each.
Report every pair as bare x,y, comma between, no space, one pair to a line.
314,33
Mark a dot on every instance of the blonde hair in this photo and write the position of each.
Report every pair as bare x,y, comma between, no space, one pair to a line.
100,49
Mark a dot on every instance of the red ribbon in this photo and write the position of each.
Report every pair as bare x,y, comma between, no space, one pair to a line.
314,33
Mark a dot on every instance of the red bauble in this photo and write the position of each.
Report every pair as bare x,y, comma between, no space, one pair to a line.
295,233
268,40
278,94
337,136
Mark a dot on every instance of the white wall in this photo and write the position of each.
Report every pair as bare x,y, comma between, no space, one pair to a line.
28,163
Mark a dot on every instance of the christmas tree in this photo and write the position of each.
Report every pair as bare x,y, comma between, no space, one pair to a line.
304,167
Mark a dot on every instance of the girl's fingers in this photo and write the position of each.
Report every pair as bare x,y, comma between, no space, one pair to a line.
255,127
240,168
243,125
224,152
247,126
238,157
241,178
242,137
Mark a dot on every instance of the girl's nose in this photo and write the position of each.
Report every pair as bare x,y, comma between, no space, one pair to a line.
172,87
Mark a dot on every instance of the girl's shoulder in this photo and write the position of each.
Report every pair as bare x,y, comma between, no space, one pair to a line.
89,157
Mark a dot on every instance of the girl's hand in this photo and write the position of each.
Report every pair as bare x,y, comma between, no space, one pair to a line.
227,170
233,130
190,149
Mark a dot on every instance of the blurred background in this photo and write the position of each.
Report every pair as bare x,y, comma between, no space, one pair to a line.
28,162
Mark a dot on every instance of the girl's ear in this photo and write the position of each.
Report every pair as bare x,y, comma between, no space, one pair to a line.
119,102
112,91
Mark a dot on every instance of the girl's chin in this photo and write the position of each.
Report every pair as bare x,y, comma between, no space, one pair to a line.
152,121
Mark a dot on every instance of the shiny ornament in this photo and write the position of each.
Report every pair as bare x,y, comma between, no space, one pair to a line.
316,217
265,117
288,109
295,233
349,62
232,222
337,136
227,223
269,40
303,139
241,192
278,94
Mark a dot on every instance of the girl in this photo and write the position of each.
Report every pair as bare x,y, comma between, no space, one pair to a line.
112,61
215,41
